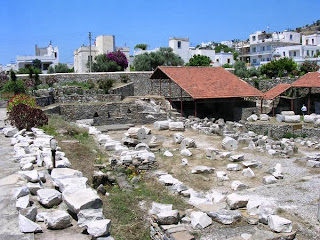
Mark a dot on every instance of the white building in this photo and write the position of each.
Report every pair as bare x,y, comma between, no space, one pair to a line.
299,53
263,44
47,55
313,39
103,44
223,58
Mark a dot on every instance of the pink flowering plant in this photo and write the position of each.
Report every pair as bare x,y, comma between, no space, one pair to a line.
119,58
21,99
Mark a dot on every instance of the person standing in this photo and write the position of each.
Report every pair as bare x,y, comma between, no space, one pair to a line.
304,109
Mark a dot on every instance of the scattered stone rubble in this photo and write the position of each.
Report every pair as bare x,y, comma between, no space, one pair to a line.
38,201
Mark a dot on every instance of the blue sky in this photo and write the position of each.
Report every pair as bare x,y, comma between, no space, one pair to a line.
67,22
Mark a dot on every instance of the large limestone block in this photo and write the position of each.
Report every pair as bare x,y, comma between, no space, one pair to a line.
49,197
178,137
269,179
29,212
248,173
229,144
23,202
176,126
233,167
161,125
159,207
202,169
188,143
168,217
10,131
287,113
28,226
238,185
21,191
226,216
253,207
309,118
60,173
186,152
200,220
87,215
71,183
292,118
236,201
264,117
279,224
99,227
34,187
57,219
252,118
81,199
137,133
30,176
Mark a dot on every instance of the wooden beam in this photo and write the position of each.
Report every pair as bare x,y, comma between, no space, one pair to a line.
309,101
195,107
181,103
273,108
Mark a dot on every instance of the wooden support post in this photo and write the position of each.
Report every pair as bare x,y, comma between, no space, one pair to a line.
160,88
309,101
261,106
170,91
181,103
195,107
292,109
273,108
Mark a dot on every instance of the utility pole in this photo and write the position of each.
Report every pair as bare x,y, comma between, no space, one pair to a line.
90,57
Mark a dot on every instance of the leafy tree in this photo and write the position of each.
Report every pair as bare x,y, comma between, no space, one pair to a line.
222,47
50,69
235,55
227,65
279,68
36,63
3,79
141,46
106,85
119,58
150,61
61,68
309,66
199,60
27,70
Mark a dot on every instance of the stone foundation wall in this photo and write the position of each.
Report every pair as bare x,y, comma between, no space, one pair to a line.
124,91
277,131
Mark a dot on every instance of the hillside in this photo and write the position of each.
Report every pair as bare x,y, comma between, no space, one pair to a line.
309,28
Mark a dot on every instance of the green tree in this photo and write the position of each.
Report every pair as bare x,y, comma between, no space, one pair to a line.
199,60
224,48
36,63
279,68
309,66
50,69
150,61
61,68
141,46
103,64
240,69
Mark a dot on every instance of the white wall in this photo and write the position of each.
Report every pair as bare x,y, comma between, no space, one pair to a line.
313,39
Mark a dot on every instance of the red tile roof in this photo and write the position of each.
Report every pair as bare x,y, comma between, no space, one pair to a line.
276,91
311,79
207,82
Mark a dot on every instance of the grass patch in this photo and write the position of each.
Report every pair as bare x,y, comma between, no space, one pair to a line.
128,210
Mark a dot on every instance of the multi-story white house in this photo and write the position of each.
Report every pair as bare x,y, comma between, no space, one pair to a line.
263,44
47,55
313,39
103,44
299,53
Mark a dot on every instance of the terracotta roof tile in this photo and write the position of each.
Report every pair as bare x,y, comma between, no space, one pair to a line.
276,91
207,82
311,79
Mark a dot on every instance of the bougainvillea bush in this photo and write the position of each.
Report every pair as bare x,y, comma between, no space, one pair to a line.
118,57
21,98
23,116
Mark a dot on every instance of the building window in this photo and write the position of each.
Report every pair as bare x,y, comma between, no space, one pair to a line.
254,49
308,54
89,58
307,42
284,54
179,44
312,53
55,54
312,41
294,53
217,60
228,60
253,38
263,48
268,59
254,60
291,37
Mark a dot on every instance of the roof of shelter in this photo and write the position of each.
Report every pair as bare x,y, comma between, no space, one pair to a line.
276,91
311,79
207,82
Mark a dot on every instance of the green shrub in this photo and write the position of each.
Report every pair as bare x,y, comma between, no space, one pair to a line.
23,116
105,84
21,98
50,80
16,86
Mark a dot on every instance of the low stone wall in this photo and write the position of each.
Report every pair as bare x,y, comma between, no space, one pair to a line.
44,101
88,98
276,131
109,113
124,91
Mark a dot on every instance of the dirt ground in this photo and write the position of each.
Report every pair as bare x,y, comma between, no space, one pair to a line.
296,196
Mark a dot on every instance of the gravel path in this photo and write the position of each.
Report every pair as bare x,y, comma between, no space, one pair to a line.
9,225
